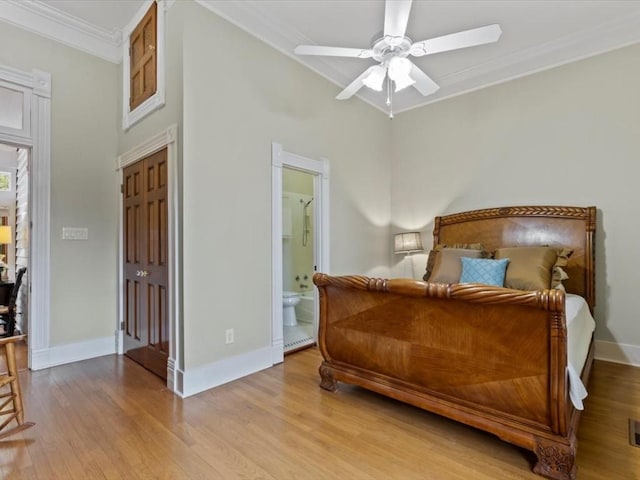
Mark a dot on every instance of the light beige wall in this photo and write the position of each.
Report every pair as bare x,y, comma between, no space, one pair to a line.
239,96
84,184
567,136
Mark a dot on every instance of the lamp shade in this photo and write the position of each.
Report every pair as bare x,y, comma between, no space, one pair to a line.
408,242
5,234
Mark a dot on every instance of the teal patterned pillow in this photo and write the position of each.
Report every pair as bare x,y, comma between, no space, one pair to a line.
483,270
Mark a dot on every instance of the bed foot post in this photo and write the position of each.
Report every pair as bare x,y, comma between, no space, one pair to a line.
326,375
556,460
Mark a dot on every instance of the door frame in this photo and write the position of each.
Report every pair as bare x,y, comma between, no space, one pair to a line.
320,170
36,137
165,139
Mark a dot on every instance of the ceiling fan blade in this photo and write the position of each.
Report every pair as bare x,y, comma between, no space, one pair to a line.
356,85
396,16
454,41
333,51
423,84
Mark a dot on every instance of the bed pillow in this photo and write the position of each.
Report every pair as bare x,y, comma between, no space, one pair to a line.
483,270
447,266
529,267
433,255
557,273
557,276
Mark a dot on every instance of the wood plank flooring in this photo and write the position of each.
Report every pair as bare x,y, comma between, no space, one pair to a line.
108,418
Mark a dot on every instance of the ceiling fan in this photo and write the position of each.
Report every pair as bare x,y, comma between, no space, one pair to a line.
391,52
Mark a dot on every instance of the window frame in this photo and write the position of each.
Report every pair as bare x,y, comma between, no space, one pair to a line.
157,100
25,131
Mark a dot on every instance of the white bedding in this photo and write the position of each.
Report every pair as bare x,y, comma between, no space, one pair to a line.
580,326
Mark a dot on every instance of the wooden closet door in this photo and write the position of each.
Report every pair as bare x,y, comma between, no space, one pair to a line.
143,59
146,326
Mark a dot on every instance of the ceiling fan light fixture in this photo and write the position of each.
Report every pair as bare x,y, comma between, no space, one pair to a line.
375,79
403,82
399,67
399,70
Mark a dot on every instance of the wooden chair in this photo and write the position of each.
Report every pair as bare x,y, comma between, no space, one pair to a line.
10,394
8,312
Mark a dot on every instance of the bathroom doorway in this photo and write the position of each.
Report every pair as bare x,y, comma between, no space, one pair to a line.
300,246
298,259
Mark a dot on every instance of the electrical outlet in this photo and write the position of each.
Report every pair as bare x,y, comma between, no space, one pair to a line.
228,335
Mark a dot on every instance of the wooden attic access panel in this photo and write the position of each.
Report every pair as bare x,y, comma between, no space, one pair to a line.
143,58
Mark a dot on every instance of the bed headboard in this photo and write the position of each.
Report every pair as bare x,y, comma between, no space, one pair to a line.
572,227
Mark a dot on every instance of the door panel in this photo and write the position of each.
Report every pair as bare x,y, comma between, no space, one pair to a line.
133,327
146,270
143,59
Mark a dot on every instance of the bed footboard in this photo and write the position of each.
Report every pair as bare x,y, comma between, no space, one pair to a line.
489,357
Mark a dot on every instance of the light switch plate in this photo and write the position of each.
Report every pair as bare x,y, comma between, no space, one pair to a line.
73,233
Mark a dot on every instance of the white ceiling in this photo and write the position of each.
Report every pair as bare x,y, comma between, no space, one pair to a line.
537,34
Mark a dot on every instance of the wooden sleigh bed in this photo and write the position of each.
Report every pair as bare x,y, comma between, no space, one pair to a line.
491,357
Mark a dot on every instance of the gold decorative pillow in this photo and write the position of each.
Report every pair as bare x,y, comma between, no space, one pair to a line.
447,267
529,267
433,254
557,273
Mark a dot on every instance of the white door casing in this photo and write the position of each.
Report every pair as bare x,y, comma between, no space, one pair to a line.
36,136
320,170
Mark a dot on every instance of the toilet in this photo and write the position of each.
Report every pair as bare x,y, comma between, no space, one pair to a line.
289,302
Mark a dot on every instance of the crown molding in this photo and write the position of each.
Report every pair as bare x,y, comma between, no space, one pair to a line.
570,48
39,18
581,45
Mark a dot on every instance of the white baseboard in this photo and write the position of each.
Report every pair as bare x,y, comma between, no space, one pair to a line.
73,352
618,352
198,379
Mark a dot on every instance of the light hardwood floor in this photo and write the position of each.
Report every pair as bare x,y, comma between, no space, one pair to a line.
109,418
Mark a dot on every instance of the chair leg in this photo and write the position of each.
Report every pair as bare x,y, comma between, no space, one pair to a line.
17,429
12,367
15,396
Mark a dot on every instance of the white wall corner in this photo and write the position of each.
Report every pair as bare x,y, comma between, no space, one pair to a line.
74,352
618,352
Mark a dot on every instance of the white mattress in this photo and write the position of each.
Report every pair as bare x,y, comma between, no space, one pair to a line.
580,327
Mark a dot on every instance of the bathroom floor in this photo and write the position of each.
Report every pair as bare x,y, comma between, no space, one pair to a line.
297,336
